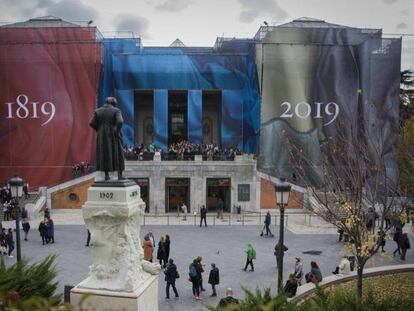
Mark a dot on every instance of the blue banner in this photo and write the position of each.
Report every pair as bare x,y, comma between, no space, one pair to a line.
161,119
231,119
194,115
128,129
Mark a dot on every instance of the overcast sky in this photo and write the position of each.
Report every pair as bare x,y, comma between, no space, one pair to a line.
199,22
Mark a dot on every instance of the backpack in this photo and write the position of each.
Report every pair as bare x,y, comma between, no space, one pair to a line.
253,253
193,271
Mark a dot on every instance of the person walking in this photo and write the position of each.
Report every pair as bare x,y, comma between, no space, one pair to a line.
203,215
25,216
194,279
404,244
10,242
396,238
148,248
167,247
171,274
298,270
220,208
382,241
214,279
43,232
26,228
267,222
276,252
251,255
291,286
161,252
200,271
50,230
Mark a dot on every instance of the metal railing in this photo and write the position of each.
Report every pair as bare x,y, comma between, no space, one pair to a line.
228,219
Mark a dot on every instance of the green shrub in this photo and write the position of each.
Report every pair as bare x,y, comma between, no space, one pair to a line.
322,300
36,280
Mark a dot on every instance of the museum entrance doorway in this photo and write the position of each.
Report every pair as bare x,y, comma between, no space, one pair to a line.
177,192
218,188
177,116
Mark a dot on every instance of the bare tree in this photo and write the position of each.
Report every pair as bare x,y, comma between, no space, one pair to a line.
358,187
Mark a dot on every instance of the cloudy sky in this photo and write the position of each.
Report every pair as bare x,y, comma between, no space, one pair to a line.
199,22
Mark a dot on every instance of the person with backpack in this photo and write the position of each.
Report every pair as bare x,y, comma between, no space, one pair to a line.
171,274
194,279
251,255
214,279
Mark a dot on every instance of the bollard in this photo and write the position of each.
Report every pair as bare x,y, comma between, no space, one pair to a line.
229,220
214,220
195,219
168,220
287,218
144,219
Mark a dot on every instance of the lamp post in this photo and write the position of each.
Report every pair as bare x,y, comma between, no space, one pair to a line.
16,187
282,190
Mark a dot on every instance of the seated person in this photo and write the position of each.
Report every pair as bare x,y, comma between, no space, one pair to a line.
344,267
291,286
315,275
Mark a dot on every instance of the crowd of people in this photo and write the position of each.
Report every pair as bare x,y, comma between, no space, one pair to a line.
195,269
181,151
394,224
80,169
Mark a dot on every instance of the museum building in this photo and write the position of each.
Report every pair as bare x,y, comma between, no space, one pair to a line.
298,78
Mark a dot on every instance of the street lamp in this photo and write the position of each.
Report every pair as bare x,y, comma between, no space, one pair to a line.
282,190
16,187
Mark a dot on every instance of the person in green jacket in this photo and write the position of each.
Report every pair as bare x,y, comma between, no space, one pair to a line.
251,255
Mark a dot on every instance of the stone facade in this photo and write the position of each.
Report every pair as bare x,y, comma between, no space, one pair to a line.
240,171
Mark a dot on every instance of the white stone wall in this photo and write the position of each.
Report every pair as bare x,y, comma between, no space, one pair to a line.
240,171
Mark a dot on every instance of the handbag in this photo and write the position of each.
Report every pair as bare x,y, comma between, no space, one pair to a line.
177,275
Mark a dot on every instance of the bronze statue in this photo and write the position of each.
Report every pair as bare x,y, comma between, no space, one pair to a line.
107,122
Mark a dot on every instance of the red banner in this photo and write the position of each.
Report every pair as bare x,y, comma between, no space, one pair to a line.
48,91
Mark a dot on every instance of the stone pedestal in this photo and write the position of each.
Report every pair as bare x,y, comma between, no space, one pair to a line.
145,298
112,214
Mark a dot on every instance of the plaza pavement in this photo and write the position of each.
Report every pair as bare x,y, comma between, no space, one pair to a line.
223,245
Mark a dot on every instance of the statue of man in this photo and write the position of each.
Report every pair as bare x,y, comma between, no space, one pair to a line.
107,122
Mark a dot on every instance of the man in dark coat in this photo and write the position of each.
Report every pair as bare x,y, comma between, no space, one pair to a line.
107,122
404,244
43,232
171,275
228,300
203,214
214,278
267,222
277,252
